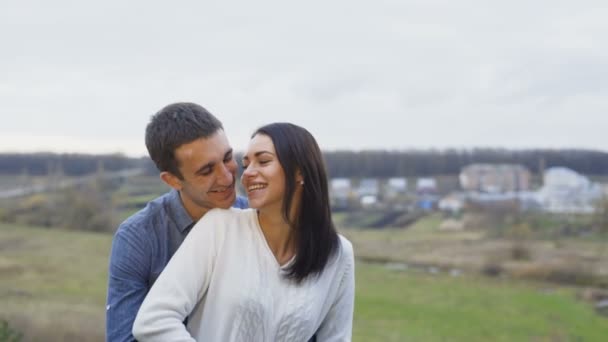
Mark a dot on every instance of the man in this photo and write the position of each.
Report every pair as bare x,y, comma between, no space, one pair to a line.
191,151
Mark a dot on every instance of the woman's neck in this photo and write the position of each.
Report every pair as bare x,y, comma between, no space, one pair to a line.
278,234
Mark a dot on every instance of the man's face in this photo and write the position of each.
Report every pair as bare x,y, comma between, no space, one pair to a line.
209,170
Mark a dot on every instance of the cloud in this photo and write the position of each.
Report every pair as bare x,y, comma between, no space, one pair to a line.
387,74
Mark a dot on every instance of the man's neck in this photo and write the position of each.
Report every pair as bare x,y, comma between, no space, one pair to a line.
194,211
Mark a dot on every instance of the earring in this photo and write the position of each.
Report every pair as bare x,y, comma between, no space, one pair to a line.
301,182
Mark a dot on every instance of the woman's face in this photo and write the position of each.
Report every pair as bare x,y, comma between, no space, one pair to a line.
263,176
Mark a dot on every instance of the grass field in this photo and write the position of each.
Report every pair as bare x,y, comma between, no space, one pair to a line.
564,259
398,306
53,284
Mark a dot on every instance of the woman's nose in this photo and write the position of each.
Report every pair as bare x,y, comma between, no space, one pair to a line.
249,171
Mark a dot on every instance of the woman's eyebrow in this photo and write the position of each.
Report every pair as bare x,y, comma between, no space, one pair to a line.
257,154
262,152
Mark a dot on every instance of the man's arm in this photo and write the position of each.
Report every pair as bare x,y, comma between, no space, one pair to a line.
182,283
241,203
127,284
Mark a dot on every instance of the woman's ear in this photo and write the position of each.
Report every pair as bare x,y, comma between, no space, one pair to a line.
299,177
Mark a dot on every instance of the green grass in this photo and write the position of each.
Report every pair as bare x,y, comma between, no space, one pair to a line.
426,228
398,306
407,244
53,287
134,200
53,282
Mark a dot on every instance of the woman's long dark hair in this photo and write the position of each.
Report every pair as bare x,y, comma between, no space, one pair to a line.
315,234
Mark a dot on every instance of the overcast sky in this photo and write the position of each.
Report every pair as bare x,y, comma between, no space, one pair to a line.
85,76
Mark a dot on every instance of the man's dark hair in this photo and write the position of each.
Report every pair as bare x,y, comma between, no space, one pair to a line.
173,126
316,236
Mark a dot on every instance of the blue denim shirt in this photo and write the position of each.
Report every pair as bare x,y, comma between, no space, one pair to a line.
141,248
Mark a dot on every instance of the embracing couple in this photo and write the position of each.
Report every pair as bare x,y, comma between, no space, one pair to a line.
196,265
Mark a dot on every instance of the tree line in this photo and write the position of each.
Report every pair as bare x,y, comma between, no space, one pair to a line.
37,164
450,162
378,163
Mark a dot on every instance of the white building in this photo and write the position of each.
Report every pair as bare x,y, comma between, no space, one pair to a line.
452,203
566,191
340,190
368,191
395,187
426,185
494,178
340,187
368,187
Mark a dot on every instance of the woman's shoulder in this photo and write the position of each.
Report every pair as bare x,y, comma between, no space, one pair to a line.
218,219
227,220
344,256
228,214
346,247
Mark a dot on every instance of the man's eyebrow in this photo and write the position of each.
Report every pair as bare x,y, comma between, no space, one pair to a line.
229,152
203,169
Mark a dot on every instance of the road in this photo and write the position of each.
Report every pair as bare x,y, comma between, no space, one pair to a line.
67,183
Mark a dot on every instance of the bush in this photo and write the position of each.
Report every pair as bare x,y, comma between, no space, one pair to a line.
8,334
492,269
520,252
86,207
565,273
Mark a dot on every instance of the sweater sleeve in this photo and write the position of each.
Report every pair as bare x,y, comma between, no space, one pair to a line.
338,323
181,285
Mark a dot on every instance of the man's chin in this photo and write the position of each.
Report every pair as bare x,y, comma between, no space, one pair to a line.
227,205
223,200
227,202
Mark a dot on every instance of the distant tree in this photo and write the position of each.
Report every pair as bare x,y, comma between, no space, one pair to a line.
354,164
70,164
414,163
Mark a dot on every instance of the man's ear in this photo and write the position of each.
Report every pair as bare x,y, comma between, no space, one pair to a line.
171,180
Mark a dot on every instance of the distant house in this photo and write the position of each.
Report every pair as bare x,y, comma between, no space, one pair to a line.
368,187
452,203
368,201
426,186
494,178
427,193
340,190
395,187
566,191
368,191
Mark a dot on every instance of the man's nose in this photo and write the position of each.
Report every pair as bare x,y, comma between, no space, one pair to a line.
225,177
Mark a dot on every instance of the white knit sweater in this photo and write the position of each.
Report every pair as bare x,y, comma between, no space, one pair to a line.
226,280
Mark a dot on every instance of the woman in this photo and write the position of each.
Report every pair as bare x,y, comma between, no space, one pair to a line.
277,272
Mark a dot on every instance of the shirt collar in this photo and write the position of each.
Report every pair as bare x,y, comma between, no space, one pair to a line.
178,212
